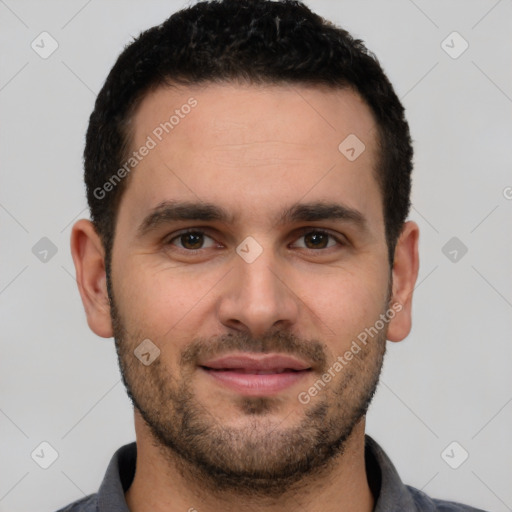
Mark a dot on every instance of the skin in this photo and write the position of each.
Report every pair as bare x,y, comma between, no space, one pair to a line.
253,150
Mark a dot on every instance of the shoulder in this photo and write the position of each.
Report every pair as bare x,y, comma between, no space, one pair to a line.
425,503
87,504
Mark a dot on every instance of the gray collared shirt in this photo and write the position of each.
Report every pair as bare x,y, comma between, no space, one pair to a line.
391,495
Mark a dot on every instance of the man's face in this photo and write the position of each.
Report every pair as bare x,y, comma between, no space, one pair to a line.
257,285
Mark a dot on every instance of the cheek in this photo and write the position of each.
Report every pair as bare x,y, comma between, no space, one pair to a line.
345,303
161,302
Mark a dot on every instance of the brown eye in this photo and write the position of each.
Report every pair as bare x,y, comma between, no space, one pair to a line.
317,240
192,241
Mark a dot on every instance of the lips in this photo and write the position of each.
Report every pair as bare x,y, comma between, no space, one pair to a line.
256,374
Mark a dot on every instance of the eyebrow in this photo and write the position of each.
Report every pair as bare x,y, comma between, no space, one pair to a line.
172,211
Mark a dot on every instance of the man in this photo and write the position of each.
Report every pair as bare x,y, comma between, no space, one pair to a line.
248,173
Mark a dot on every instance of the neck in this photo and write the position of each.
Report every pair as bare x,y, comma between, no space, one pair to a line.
160,485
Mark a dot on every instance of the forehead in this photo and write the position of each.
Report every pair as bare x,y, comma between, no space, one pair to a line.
266,143
231,113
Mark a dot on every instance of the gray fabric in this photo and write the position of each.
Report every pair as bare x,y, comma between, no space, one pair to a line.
391,495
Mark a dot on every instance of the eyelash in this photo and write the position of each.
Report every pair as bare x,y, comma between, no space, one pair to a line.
300,233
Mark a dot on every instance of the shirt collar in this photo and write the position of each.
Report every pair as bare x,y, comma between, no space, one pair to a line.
389,492
388,489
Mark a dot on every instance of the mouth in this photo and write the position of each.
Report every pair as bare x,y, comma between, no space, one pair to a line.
256,374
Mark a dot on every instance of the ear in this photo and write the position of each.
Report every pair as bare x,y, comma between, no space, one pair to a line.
405,273
89,258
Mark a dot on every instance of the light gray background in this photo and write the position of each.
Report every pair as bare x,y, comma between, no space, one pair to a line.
449,381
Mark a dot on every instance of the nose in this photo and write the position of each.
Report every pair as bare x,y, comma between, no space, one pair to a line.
257,297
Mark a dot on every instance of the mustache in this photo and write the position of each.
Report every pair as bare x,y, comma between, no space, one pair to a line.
310,350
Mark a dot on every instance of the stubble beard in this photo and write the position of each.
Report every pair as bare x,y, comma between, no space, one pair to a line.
262,458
